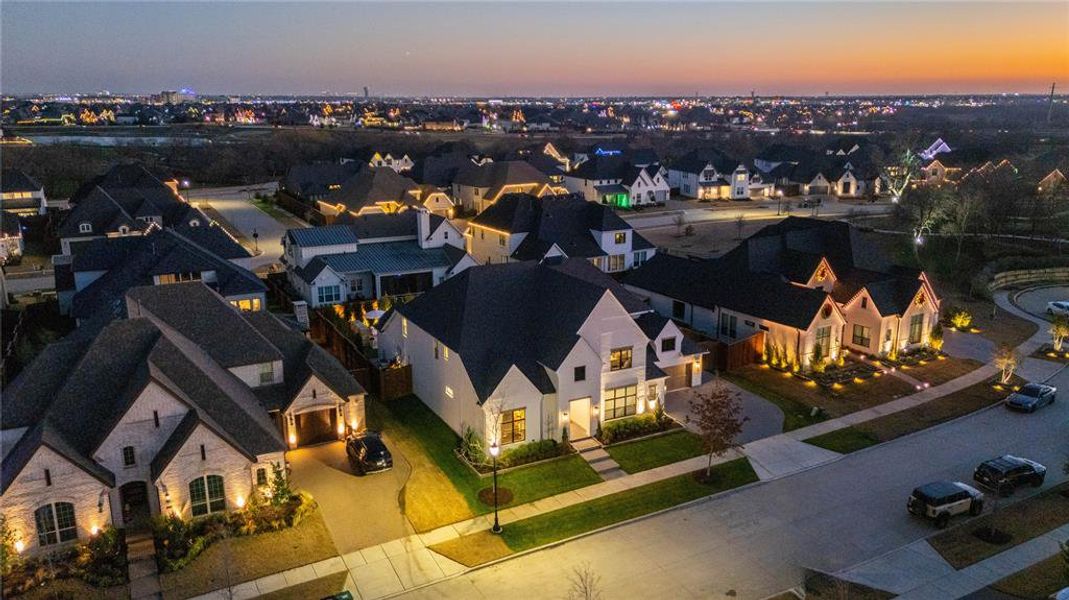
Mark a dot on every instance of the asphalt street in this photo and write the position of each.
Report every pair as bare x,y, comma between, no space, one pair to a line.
234,206
756,541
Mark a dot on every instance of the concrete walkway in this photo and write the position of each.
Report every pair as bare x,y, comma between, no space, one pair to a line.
598,459
377,571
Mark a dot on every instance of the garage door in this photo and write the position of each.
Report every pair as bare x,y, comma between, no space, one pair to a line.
677,376
316,427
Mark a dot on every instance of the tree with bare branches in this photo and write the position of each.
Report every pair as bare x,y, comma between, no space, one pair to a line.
585,584
1006,359
718,414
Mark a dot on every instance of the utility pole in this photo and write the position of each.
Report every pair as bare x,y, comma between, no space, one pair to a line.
1050,104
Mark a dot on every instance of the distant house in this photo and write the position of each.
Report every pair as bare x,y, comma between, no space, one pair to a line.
314,182
528,351
476,187
383,190
11,242
1052,181
615,181
400,164
521,227
936,172
710,175
21,194
129,199
373,255
812,287
91,284
185,408
937,147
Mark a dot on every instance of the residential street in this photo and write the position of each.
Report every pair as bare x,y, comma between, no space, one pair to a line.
750,210
757,540
234,206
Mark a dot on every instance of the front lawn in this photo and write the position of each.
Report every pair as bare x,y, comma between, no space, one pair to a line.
656,451
482,547
1022,521
316,588
443,490
1038,581
240,559
943,370
797,397
895,425
71,587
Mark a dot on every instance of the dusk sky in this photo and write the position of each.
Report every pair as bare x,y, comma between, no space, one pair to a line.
445,48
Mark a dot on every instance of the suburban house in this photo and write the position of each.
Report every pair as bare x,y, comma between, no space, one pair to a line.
710,175
937,172
183,408
373,255
92,283
400,165
528,351
21,194
521,227
812,287
615,181
383,190
476,187
11,242
1052,181
312,183
127,200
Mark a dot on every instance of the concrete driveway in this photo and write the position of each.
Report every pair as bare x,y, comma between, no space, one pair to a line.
765,418
359,511
1035,301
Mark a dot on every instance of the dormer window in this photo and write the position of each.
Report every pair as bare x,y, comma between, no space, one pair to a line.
123,230
85,228
621,237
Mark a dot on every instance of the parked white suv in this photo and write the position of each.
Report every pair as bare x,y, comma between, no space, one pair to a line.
1058,307
940,500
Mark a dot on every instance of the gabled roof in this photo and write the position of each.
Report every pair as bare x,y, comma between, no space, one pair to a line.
108,209
372,185
16,180
601,167
522,314
316,180
698,160
376,226
496,175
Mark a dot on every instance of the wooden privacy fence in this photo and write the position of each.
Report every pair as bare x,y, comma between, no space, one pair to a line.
723,356
385,382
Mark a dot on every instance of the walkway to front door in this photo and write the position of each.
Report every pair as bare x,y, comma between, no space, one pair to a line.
598,459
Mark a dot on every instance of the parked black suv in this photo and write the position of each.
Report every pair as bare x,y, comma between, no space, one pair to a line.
1006,473
940,500
368,454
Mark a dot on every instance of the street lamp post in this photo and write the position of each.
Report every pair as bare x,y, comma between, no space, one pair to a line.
779,202
255,241
494,451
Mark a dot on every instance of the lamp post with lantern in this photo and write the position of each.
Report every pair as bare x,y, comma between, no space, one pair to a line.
494,451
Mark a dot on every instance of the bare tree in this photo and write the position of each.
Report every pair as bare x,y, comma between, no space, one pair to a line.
718,414
901,172
960,214
1006,359
1059,331
585,584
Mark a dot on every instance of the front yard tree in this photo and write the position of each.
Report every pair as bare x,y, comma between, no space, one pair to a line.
1059,331
960,213
586,584
718,414
1006,359
281,493
901,172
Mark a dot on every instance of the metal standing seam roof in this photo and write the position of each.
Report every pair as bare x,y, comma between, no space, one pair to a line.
388,257
322,236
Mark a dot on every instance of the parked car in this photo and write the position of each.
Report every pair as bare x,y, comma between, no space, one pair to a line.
810,202
1031,397
940,500
1006,473
368,453
1058,307
1062,594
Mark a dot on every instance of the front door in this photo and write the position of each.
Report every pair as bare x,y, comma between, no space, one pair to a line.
135,508
579,419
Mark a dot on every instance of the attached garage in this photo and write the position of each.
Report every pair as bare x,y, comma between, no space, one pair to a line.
678,376
317,426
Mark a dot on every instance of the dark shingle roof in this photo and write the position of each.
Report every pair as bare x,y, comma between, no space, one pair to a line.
15,180
315,180
524,314
373,185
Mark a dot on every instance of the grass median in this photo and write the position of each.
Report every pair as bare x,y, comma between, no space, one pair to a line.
443,490
896,425
642,455
1022,521
482,547
1038,581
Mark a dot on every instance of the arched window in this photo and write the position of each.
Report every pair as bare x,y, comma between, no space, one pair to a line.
123,230
55,523
85,228
206,495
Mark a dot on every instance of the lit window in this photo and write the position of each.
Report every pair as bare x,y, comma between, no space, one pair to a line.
617,262
206,495
55,523
329,294
448,391
513,426
445,352
620,358
621,237
620,402
261,476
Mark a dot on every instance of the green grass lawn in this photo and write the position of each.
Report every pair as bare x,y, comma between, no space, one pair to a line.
580,518
1038,581
654,452
240,559
895,425
936,372
316,588
1023,520
448,490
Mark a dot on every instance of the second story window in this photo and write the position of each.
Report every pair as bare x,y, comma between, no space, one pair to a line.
620,237
620,358
129,457
668,344
267,373
580,373
500,239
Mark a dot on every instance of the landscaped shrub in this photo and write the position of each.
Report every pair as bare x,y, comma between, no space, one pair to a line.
530,452
959,318
935,338
9,558
102,561
619,430
471,446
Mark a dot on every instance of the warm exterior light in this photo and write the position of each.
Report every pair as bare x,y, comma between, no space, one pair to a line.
352,424
495,449
95,529
240,502
341,427
293,439
20,546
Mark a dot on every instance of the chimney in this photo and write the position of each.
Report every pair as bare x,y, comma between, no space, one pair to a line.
423,226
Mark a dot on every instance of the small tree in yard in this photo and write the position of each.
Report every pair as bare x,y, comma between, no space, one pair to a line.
1006,359
1059,331
9,558
718,415
740,224
281,493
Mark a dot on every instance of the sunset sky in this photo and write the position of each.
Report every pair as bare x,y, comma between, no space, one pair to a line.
481,49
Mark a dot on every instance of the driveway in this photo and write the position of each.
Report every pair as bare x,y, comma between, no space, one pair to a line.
233,205
359,511
1035,301
765,418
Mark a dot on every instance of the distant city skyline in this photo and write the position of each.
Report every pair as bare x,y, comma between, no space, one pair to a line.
535,49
